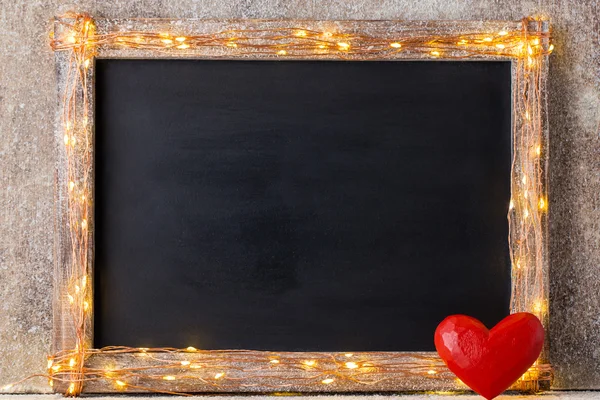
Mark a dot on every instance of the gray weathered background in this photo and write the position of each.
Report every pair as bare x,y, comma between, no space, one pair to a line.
27,158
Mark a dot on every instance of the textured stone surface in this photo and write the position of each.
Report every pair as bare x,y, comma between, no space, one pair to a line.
27,158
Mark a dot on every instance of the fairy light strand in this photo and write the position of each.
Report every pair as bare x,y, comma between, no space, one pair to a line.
161,370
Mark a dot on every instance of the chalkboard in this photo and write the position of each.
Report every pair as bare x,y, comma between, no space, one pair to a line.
299,205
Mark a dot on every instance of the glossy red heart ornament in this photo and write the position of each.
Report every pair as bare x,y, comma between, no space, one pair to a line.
489,361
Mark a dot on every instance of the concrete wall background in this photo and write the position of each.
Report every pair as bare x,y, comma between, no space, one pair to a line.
27,157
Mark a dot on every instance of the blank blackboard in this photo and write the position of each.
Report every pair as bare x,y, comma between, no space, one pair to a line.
299,205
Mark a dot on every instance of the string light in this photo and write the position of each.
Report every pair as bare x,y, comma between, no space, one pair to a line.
343,46
514,43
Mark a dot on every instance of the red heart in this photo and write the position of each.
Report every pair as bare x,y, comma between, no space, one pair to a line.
489,361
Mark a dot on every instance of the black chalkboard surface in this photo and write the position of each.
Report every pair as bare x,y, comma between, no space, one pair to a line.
300,206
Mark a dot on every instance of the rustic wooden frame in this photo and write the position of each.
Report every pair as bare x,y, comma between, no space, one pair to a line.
76,367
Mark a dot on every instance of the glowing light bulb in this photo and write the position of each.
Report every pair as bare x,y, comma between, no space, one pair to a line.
538,306
538,150
435,53
511,205
84,224
185,363
542,204
219,375
309,363
166,41
300,33
7,387
348,355
536,41
50,362
55,368
191,348
487,39
395,45
281,52
86,306
195,366
72,362
550,48
71,38
168,378
500,46
72,388
183,46
524,179
274,361
431,372
71,186
71,298
120,384
343,45
66,138
86,63
503,33
327,381
351,365
525,213
180,38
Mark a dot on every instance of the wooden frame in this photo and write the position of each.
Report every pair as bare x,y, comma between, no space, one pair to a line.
76,367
